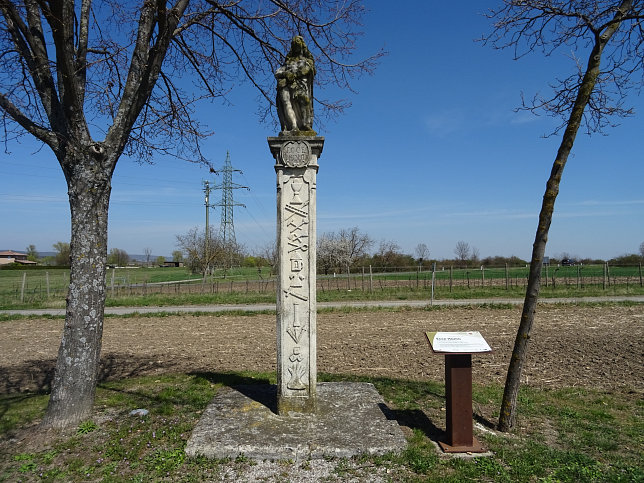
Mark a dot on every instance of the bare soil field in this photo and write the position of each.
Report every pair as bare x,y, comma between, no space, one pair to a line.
591,346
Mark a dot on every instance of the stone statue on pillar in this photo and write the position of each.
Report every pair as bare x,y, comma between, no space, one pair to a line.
315,420
295,91
296,151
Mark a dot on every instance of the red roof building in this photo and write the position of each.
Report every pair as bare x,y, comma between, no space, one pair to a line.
9,256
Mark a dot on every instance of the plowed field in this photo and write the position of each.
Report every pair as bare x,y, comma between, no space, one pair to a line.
592,346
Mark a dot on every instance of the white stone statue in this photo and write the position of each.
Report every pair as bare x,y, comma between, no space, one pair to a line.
295,90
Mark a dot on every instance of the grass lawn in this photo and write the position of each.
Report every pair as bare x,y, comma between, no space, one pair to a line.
566,434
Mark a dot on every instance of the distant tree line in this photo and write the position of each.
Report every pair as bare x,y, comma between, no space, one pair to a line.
337,252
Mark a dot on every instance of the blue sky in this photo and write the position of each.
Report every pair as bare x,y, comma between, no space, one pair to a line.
430,152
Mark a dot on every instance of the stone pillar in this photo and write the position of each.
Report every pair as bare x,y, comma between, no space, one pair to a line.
296,166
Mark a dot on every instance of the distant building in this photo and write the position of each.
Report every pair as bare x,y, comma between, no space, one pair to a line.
9,256
172,264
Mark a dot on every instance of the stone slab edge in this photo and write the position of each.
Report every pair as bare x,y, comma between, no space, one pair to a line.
350,421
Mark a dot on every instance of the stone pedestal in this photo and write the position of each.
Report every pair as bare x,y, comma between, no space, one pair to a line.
296,166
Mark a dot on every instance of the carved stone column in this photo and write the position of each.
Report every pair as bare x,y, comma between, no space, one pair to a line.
296,166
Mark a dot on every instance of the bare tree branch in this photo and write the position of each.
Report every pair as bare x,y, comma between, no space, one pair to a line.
40,132
548,26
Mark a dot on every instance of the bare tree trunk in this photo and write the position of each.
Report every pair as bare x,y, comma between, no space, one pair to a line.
507,415
76,373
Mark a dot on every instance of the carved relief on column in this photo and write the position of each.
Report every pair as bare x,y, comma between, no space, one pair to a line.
296,168
295,250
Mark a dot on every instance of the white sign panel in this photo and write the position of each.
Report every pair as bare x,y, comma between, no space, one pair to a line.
458,342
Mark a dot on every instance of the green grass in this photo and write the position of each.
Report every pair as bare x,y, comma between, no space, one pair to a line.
566,434
335,295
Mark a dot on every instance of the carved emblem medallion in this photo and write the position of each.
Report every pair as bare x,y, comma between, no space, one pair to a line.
295,154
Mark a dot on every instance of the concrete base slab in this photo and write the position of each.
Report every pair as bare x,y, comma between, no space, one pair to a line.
351,419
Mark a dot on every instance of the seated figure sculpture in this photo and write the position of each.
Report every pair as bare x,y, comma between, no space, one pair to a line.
295,90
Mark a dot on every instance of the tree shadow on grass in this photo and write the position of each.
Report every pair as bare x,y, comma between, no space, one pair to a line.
30,376
168,398
33,378
259,389
37,375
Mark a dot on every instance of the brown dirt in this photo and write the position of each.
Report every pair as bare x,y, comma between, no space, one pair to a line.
600,347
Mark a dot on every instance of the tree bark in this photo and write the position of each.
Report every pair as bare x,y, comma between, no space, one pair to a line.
77,366
507,415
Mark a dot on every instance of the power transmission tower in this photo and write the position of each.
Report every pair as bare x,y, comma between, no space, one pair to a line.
227,203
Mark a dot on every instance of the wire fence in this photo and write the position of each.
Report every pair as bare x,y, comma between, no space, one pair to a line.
374,278
30,287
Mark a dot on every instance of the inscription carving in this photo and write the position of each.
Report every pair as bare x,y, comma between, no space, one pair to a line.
297,263
296,329
296,168
292,293
295,154
297,370
296,186
297,237
296,247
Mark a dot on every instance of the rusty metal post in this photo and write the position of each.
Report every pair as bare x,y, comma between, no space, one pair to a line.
458,395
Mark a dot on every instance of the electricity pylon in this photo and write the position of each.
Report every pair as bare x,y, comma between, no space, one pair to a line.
227,203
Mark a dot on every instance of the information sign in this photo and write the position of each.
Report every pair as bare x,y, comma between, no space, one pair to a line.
457,342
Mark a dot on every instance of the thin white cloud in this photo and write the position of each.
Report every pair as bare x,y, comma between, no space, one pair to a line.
586,214
445,123
498,214
523,117
379,214
608,203
9,198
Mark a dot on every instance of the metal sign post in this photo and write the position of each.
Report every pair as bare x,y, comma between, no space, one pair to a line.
458,348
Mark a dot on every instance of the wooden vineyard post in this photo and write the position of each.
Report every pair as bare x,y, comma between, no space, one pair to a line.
22,287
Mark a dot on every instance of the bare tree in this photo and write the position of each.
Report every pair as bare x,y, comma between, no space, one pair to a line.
462,251
610,34
93,81
147,251
422,252
269,253
201,256
388,255
475,255
642,249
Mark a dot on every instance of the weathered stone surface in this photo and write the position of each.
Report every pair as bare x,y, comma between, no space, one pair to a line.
296,166
350,420
295,90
